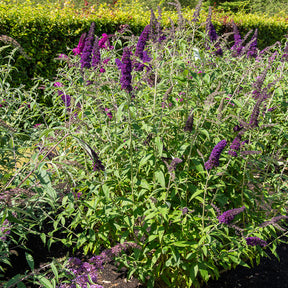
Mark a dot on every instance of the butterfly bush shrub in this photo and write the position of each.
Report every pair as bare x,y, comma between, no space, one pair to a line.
182,159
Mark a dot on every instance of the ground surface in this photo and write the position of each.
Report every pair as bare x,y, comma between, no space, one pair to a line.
269,274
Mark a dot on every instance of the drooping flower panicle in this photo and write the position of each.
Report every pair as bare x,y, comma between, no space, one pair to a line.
215,155
228,216
253,241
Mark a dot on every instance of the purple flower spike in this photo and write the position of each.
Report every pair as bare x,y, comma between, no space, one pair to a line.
118,63
215,155
140,48
126,69
213,37
255,114
253,241
228,216
173,164
96,56
87,51
78,50
65,98
235,146
142,42
252,52
237,47
5,229
212,32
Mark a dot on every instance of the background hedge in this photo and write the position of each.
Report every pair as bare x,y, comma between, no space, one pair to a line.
47,30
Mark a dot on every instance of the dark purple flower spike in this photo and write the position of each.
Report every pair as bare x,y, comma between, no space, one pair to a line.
126,69
215,155
228,216
253,241
87,51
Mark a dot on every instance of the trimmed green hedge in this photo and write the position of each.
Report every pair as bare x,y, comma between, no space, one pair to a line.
45,31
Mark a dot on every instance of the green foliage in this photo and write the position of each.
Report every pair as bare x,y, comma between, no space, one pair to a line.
53,192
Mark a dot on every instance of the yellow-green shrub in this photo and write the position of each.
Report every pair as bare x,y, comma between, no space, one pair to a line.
47,30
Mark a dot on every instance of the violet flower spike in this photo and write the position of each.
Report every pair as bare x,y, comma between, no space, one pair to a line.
140,48
228,216
215,155
255,114
173,164
252,52
96,56
213,38
197,12
142,42
237,47
235,146
253,241
118,63
87,51
273,221
126,69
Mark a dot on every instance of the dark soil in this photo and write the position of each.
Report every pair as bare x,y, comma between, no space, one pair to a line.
269,274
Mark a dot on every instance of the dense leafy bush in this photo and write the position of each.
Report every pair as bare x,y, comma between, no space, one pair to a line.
171,149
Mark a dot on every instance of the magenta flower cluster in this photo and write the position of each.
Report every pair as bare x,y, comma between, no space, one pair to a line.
104,42
78,50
